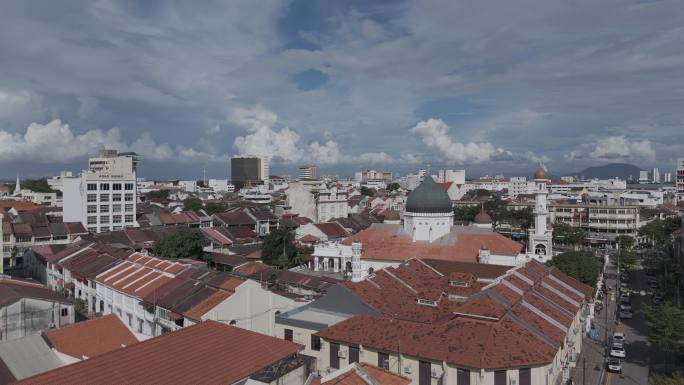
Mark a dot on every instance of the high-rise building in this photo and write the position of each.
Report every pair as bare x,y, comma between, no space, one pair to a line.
455,176
667,177
246,170
307,172
643,176
655,175
265,169
680,180
104,196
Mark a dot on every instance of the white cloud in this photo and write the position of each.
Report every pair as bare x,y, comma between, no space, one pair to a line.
326,153
435,134
56,142
619,147
376,157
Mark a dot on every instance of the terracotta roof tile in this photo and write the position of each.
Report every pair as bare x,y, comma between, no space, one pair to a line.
206,353
91,338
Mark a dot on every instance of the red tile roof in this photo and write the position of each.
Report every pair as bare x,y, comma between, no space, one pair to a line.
390,242
332,229
250,268
91,338
352,377
206,353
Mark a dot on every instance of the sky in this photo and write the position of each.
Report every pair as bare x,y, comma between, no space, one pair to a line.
490,86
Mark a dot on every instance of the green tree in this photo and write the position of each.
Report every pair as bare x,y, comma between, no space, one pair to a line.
628,259
393,186
662,379
216,207
582,266
183,243
159,194
465,213
666,326
367,191
192,204
625,241
566,234
37,185
278,249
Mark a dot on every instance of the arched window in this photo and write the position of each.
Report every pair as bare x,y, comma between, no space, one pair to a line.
540,249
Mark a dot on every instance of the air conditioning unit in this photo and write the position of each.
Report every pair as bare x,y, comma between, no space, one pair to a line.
434,373
342,354
407,370
51,325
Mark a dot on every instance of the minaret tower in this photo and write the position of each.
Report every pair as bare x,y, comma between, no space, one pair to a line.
541,237
17,188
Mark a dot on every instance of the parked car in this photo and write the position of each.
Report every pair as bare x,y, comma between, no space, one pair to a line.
614,365
625,307
619,337
618,351
625,299
625,314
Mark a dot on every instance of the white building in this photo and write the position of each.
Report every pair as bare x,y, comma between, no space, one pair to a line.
55,182
667,177
221,186
643,176
680,180
307,172
331,203
455,176
188,185
541,236
655,175
519,185
104,196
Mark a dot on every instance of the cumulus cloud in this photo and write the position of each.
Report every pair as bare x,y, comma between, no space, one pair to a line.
56,142
615,148
435,134
376,157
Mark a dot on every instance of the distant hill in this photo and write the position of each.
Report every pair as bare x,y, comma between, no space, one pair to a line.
613,170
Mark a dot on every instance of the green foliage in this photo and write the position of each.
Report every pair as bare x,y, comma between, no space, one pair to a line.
628,259
393,186
666,326
583,266
216,207
660,230
661,379
465,213
192,204
159,194
566,234
367,191
625,241
478,194
183,243
499,213
278,249
80,305
37,185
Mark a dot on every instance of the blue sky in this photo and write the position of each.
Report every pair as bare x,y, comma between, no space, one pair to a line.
491,86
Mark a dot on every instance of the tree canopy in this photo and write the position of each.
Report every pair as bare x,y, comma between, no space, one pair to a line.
666,326
367,191
216,207
393,186
499,213
159,194
660,230
583,266
192,204
37,185
566,234
279,249
183,243
662,379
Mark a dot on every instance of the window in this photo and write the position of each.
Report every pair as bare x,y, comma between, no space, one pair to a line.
116,186
129,207
128,197
104,208
525,376
104,219
353,354
92,209
140,325
116,219
129,186
500,377
116,208
424,373
315,343
5,237
104,229
65,312
116,197
92,229
129,218
92,197
463,376
334,355
92,220
104,186
288,335
383,360
130,319
92,186
104,197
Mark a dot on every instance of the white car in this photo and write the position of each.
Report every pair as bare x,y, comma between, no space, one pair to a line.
626,307
618,351
619,337
614,365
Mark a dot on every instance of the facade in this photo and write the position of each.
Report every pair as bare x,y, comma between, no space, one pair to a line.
221,186
103,197
246,170
603,223
26,308
371,175
541,236
655,175
679,181
331,203
307,172
454,176
519,185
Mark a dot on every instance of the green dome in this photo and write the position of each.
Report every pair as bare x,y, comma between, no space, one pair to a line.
428,198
